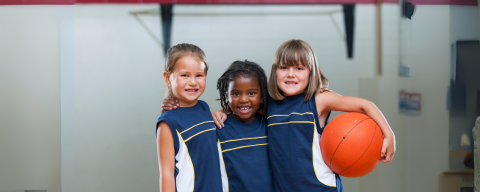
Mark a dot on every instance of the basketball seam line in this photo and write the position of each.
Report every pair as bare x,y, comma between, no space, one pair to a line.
333,155
375,131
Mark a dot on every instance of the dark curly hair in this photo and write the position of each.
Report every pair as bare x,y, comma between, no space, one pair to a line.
243,69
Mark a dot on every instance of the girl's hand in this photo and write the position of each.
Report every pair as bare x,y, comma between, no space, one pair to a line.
388,149
169,103
219,117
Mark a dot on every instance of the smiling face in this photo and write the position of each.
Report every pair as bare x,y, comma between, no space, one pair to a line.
292,80
244,98
187,80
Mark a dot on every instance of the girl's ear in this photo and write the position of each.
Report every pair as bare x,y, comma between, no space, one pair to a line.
166,77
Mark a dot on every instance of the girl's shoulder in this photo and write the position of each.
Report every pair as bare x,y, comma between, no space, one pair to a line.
326,95
167,118
204,105
325,99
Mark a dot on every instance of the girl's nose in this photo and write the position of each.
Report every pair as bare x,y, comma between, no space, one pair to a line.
243,99
192,82
290,72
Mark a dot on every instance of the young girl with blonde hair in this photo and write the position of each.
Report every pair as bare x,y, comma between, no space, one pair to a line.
186,138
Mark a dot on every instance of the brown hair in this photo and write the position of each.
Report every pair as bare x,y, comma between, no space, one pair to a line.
178,51
292,53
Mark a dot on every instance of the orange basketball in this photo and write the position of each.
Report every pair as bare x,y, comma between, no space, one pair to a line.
351,144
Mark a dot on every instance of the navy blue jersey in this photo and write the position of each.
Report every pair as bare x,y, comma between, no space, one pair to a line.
197,163
244,147
294,147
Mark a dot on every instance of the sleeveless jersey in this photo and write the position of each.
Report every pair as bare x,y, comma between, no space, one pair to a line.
197,163
294,146
244,148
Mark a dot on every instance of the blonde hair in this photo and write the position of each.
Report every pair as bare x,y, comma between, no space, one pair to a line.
178,51
292,53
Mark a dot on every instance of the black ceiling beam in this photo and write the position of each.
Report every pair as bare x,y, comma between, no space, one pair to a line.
166,11
349,20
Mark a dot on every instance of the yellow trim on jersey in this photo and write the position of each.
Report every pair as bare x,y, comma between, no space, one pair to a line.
290,122
195,126
226,175
212,129
193,168
243,139
244,147
313,156
293,113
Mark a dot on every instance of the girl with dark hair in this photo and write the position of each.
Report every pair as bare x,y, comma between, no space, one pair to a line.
243,143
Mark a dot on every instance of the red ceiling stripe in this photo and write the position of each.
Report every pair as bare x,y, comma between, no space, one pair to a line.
240,2
37,2
232,2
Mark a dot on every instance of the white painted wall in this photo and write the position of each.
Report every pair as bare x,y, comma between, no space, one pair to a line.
30,98
116,92
463,23
429,60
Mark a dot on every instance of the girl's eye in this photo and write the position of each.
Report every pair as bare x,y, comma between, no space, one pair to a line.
199,75
236,94
184,75
299,68
251,93
283,67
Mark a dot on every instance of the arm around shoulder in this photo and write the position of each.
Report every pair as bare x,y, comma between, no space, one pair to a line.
166,157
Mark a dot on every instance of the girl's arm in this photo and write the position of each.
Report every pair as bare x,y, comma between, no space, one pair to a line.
218,116
333,101
166,157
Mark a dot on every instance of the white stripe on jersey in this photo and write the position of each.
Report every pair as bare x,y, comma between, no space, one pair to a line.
324,174
222,169
186,174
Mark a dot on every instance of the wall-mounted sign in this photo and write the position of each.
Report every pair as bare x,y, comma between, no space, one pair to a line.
409,103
